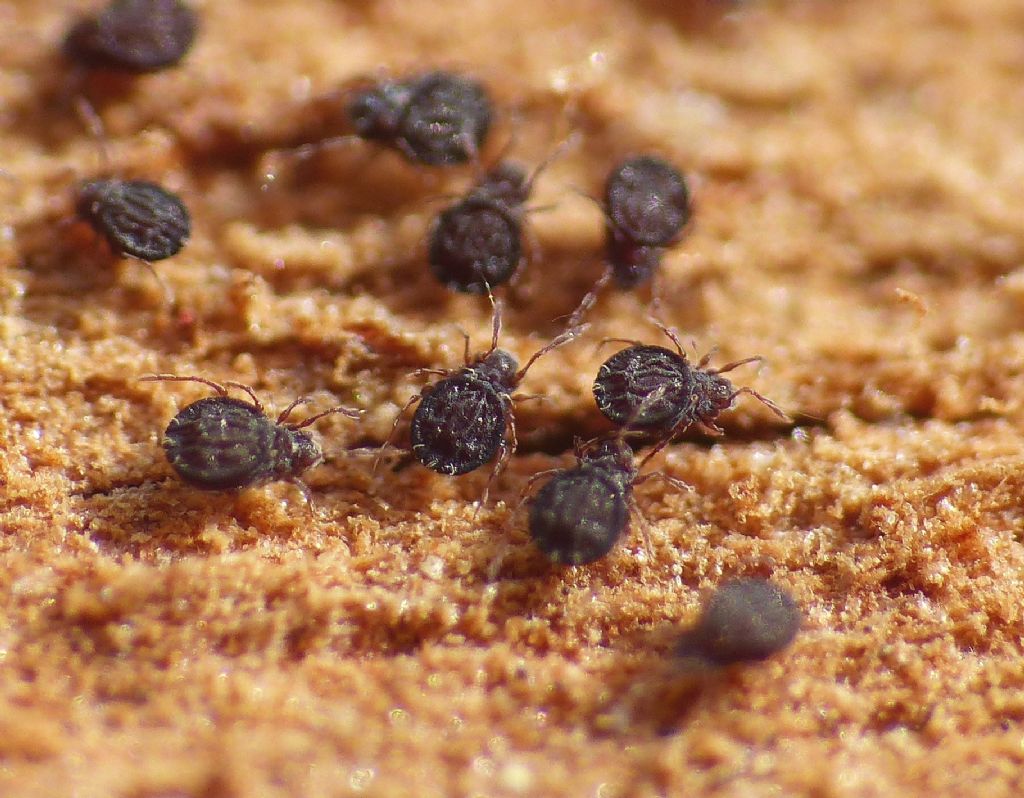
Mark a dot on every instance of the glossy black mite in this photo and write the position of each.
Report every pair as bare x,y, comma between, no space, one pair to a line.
223,443
466,418
476,244
657,390
745,620
134,36
582,512
138,219
436,119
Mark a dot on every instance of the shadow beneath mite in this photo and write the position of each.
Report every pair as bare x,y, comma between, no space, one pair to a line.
47,115
152,518
317,191
664,689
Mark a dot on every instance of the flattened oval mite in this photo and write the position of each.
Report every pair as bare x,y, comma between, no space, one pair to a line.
137,218
223,443
632,374
134,36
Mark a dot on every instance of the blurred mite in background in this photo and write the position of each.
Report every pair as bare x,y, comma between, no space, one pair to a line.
132,37
744,620
137,219
647,206
435,119
432,119
476,244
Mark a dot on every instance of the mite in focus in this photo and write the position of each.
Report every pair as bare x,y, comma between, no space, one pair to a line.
466,418
657,390
223,443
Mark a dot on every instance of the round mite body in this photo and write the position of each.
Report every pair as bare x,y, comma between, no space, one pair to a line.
436,119
136,36
221,443
582,512
476,244
745,620
138,219
646,208
647,201
647,205
461,422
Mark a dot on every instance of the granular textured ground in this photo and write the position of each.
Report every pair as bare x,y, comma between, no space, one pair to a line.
859,193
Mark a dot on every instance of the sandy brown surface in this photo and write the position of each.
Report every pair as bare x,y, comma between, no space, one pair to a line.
859,173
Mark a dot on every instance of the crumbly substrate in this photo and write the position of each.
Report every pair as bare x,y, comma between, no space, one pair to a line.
859,222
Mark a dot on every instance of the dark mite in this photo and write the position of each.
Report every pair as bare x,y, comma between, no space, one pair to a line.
466,418
657,390
476,244
137,218
745,620
582,512
135,36
223,443
646,206
647,202
436,119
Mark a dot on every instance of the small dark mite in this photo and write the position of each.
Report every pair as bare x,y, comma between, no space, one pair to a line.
222,443
657,390
436,119
745,620
646,206
647,202
476,244
135,36
466,418
138,219
582,512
